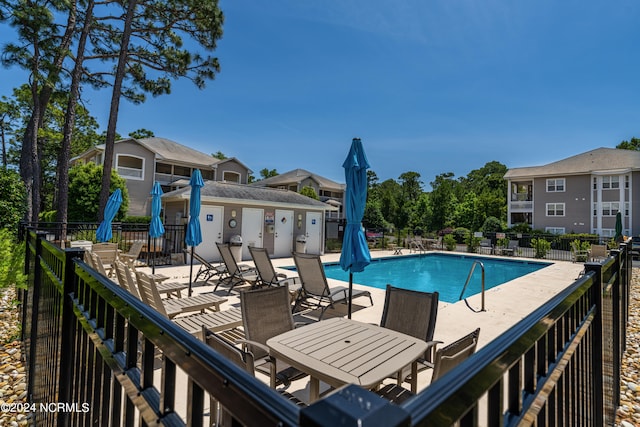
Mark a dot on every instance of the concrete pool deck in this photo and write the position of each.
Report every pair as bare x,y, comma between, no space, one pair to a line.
505,305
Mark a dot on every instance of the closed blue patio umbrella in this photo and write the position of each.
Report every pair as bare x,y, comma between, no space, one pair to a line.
103,233
156,229
355,254
193,236
618,235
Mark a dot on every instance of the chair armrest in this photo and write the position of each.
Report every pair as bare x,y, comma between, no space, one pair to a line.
257,344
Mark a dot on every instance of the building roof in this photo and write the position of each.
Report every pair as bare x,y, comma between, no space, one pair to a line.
600,160
225,192
171,150
166,149
297,176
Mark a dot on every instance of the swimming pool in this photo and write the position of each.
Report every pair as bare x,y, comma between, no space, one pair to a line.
445,273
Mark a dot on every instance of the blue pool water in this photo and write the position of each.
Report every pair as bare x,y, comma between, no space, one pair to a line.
437,272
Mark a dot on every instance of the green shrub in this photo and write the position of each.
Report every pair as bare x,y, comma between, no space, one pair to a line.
522,228
13,204
334,245
541,247
460,234
48,216
491,224
472,243
137,220
449,242
11,261
502,242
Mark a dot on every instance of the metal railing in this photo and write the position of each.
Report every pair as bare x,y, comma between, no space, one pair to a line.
466,283
112,360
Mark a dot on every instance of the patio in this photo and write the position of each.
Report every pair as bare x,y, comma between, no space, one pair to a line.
505,306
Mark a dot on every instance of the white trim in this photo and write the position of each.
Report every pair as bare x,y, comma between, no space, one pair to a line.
131,177
564,209
555,185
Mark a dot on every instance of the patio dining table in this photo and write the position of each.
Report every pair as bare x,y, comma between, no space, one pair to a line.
342,351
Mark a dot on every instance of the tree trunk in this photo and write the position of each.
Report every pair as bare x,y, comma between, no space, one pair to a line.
115,105
29,158
69,124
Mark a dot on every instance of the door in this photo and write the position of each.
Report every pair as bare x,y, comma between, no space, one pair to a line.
283,237
314,232
252,225
211,225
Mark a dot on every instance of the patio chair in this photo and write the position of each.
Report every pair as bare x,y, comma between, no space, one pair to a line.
598,252
97,264
445,359
235,274
207,270
314,285
415,245
578,254
219,416
266,273
486,247
266,312
172,307
453,354
108,253
413,313
127,279
134,252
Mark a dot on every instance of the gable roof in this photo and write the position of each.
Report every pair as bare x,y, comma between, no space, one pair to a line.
600,160
234,193
297,176
166,149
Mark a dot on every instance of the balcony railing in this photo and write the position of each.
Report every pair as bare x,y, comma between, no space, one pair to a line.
521,206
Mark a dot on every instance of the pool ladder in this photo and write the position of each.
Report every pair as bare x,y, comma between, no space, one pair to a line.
473,267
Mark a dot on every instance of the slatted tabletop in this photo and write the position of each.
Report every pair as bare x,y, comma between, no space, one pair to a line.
343,351
216,322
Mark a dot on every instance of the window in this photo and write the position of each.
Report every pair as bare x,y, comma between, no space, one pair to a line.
182,171
607,232
555,185
130,167
554,230
626,181
610,182
207,174
293,187
610,208
555,209
626,208
163,168
231,177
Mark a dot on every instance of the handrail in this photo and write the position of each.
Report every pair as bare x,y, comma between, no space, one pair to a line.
473,267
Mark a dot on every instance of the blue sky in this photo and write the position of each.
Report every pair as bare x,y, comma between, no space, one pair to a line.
431,86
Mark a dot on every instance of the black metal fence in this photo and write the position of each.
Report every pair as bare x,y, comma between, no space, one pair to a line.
124,234
102,357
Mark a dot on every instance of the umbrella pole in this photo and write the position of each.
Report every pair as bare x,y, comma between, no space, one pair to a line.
153,265
350,294
191,271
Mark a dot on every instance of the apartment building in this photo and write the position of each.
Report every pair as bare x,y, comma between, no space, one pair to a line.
579,194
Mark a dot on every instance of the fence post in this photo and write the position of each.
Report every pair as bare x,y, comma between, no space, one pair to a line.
597,349
68,330
35,308
354,406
